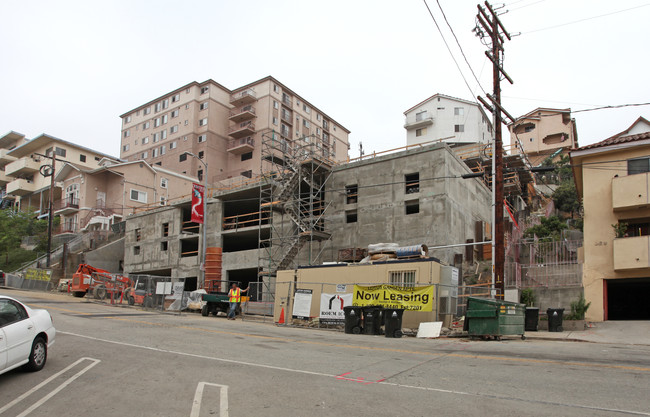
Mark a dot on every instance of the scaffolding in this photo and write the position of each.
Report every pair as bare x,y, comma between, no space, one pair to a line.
292,198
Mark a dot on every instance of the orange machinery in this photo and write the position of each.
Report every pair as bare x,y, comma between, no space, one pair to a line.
98,282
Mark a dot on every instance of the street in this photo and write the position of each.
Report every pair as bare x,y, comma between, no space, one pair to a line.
110,361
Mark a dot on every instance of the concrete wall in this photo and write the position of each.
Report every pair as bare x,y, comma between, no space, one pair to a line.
109,257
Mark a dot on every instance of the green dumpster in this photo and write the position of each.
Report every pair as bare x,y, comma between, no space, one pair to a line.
488,317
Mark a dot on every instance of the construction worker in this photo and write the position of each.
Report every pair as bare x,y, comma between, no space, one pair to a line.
234,298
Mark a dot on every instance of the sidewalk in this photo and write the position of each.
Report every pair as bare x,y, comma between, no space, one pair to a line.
614,332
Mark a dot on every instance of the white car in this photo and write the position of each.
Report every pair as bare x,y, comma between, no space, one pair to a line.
25,335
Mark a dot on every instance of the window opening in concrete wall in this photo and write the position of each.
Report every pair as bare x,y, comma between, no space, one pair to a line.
412,207
352,193
412,182
351,216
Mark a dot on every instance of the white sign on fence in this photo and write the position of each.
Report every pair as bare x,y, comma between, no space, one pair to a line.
302,304
331,307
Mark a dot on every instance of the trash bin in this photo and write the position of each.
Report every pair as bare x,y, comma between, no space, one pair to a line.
532,319
352,319
393,320
555,319
487,317
372,320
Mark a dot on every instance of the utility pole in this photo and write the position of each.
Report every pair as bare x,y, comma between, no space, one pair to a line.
490,23
49,171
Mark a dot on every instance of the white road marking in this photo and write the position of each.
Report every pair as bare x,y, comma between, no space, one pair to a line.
301,371
47,381
198,397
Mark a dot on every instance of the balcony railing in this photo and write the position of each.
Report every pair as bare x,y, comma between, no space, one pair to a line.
416,121
242,145
631,253
286,100
242,129
67,204
243,97
242,113
20,187
68,227
631,192
245,220
22,166
286,117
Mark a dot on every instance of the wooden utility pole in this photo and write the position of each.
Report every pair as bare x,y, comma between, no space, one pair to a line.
490,23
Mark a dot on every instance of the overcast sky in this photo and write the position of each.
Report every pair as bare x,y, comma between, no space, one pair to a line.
70,68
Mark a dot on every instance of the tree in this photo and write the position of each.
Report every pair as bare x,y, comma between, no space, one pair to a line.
16,225
565,198
550,227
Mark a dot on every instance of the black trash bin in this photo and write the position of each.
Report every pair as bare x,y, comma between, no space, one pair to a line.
393,320
372,320
352,319
555,319
532,319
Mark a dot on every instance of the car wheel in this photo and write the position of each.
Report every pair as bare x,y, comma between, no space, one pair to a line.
204,311
38,356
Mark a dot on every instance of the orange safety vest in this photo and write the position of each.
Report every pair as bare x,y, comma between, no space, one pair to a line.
235,296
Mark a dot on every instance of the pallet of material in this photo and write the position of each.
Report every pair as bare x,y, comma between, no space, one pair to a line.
352,254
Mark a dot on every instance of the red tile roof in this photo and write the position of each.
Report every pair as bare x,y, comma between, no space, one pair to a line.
620,137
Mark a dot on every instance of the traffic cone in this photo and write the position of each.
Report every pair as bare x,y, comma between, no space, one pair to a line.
281,316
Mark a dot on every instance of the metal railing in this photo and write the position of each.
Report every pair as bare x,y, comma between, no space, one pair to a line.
241,126
249,140
245,109
242,94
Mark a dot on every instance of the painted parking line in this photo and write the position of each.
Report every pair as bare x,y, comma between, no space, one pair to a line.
198,398
54,391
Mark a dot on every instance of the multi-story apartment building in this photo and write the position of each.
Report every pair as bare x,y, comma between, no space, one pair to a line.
94,199
225,128
8,142
613,179
542,133
26,183
449,119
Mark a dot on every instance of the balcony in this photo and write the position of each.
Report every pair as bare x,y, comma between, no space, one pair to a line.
4,178
22,166
631,253
4,158
286,117
417,121
630,192
67,205
67,227
242,114
20,187
242,98
286,100
242,129
240,146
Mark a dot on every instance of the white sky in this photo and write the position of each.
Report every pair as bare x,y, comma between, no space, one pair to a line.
70,68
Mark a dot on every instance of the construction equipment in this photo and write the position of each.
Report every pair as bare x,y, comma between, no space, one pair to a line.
217,301
98,282
142,291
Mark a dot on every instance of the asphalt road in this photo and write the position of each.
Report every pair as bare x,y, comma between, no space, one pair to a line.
118,361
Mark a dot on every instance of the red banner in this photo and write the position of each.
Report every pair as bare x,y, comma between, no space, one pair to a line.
198,192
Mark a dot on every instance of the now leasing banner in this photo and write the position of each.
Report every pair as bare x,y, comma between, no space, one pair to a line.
392,296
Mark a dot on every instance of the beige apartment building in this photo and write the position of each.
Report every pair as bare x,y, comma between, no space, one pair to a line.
613,179
95,199
225,128
22,160
8,142
542,133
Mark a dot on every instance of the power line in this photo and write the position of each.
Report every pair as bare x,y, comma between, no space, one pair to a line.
449,49
615,106
460,47
585,19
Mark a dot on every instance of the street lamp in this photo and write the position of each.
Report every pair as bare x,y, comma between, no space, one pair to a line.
205,213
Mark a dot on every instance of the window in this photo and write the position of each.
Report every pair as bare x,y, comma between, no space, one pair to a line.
163,182
138,196
306,123
146,111
318,131
275,121
351,193
156,137
136,250
163,134
412,182
146,125
174,113
182,157
144,155
175,98
199,174
638,166
156,122
157,107
412,207
318,117
172,145
186,123
173,129
351,216
529,128
459,128
165,229
127,133
200,155
82,158
145,140
135,142
284,130
165,103
459,111
163,245
201,138
162,150
276,89
11,312
276,105
246,156
165,118
154,152
420,132
420,116
125,148
402,278
203,122
306,108
127,119
203,106
138,235
204,90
